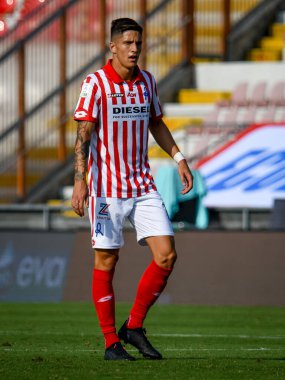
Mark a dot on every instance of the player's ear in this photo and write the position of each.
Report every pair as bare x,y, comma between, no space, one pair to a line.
113,47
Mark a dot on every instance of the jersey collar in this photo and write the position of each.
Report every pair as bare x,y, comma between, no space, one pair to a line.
112,74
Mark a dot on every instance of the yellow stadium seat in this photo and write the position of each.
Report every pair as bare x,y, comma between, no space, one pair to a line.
278,30
196,96
256,55
272,43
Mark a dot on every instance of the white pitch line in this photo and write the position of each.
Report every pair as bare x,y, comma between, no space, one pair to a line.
162,335
218,336
45,350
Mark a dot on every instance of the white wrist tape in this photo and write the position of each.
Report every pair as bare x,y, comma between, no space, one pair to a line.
178,157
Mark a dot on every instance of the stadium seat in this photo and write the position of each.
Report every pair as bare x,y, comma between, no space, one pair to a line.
282,116
277,94
199,96
230,117
239,96
249,115
268,115
258,95
258,54
212,118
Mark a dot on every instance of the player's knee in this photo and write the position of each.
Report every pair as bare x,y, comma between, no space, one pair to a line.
105,261
167,259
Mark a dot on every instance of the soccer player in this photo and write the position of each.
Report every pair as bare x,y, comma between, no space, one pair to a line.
117,107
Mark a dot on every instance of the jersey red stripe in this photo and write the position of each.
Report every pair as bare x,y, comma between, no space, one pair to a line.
117,160
141,155
113,91
123,99
134,157
125,156
90,174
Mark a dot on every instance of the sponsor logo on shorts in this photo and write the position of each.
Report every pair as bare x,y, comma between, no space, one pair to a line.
98,230
104,209
103,212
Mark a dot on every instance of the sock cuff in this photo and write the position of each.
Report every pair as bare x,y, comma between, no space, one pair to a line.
106,275
162,271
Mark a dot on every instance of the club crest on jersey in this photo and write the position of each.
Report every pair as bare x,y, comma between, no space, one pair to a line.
145,93
115,95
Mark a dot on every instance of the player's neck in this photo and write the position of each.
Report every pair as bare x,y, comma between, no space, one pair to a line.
124,72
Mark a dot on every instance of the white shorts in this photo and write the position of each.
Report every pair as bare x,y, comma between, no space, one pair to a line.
146,213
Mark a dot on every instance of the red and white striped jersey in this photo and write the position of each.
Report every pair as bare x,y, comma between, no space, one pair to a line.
118,163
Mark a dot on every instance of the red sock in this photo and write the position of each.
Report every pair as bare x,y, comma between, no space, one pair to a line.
151,284
104,302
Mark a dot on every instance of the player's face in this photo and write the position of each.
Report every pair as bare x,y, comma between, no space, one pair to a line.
126,48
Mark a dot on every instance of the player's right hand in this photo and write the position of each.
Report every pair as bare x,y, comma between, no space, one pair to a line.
79,197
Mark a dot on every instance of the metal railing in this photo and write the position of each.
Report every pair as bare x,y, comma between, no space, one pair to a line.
213,21
250,29
42,72
49,217
44,60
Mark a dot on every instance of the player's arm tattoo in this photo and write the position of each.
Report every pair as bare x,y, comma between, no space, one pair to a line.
82,144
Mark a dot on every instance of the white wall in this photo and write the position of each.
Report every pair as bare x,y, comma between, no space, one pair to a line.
225,76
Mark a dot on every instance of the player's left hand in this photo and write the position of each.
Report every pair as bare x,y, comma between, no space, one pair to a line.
185,176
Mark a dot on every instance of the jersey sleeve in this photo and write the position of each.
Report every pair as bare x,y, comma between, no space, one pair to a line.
155,107
87,107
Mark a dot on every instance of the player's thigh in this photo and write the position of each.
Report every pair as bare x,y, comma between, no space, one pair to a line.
149,217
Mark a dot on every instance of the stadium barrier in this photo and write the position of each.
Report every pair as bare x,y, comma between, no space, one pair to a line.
213,268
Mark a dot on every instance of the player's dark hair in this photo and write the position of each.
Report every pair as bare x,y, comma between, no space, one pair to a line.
121,25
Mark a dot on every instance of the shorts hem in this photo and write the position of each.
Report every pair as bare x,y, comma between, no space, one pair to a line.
105,247
141,240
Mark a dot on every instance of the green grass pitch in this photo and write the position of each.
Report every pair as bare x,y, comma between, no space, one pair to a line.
63,341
